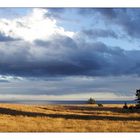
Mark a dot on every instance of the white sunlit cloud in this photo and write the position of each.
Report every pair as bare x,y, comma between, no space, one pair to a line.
35,25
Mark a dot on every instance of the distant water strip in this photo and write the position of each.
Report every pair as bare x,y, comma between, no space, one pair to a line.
41,102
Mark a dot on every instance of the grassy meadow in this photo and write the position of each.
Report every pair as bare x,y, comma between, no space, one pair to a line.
67,118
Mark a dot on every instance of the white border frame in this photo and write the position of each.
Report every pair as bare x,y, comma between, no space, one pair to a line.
70,136
69,3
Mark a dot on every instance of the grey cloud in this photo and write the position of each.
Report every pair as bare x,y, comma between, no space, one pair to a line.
126,18
62,14
4,81
4,38
108,12
64,56
59,41
123,85
111,13
55,12
96,33
21,25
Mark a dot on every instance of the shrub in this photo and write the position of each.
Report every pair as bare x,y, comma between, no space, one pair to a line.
137,106
100,105
131,107
125,106
91,101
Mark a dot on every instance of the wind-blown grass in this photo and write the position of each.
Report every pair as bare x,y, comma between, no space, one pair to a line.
67,118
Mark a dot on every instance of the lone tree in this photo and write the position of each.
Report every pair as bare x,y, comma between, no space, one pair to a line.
138,98
91,101
125,106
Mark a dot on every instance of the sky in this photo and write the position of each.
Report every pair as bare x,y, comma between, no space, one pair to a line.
69,53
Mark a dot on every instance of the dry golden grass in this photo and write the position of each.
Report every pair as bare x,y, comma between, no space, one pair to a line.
67,118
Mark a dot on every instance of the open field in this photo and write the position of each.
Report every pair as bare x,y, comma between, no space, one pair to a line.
67,118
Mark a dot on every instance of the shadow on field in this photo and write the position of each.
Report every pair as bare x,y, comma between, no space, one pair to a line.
90,109
89,117
13,112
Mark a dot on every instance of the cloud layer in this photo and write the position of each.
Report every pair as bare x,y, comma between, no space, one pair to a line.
44,44
64,56
46,49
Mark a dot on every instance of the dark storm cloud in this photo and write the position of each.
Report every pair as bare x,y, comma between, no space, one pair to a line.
63,56
96,33
108,12
4,38
127,19
65,42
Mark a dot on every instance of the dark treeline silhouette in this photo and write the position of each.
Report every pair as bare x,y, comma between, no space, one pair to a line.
138,98
137,106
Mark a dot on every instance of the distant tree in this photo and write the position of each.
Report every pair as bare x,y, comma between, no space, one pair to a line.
125,106
91,101
138,98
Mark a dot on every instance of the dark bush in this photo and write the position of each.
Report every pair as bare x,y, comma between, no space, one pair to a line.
100,105
91,101
125,106
137,106
131,107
